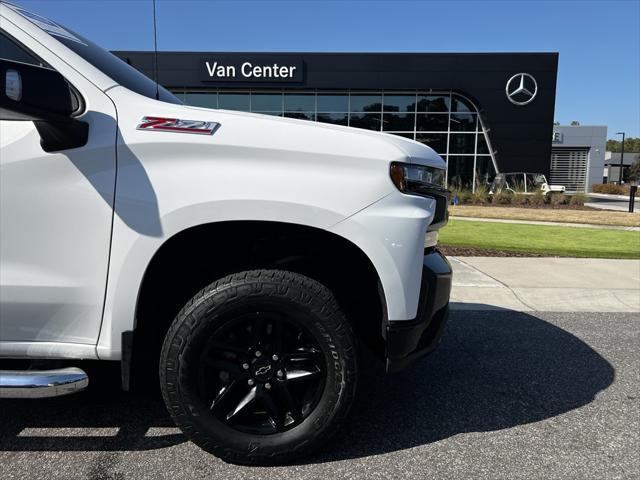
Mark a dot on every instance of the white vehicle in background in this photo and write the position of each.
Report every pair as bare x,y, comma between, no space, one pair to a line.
242,258
523,182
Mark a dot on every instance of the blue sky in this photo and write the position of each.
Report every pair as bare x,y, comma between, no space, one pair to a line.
598,41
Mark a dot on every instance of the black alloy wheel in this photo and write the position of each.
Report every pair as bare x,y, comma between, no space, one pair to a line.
261,373
259,367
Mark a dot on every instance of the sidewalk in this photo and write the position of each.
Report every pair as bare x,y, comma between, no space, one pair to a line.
613,206
608,196
545,284
619,203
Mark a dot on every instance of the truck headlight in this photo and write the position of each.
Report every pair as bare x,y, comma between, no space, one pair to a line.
416,179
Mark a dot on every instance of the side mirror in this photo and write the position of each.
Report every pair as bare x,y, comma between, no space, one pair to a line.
29,92
42,95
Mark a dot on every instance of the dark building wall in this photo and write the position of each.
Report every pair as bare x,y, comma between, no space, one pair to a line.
520,135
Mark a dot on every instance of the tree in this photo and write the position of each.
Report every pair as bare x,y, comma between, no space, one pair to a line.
630,145
633,173
556,123
575,123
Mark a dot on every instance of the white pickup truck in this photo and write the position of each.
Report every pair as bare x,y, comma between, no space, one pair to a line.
242,258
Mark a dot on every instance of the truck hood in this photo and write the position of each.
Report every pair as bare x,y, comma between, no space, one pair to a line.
414,152
267,138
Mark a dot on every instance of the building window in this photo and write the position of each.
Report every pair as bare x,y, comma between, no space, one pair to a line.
266,102
329,102
434,103
234,101
461,171
463,122
366,103
462,143
398,122
333,117
400,103
368,121
437,141
305,102
201,99
445,121
484,171
459,104
432,122
482,148
301,115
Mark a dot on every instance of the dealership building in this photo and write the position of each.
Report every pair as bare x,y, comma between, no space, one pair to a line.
482,112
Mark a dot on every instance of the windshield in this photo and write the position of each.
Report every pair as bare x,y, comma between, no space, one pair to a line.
116,69
539,179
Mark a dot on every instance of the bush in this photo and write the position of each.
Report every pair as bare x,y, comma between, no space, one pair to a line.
612,189
480,196
502,198
558,199
608,188
578,199
521,199
537,198
464,196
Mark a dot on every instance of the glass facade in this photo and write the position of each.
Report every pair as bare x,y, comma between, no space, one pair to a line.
446,121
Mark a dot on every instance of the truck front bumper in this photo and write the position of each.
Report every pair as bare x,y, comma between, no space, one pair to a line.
411,339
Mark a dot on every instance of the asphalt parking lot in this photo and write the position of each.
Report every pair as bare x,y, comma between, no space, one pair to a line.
508,395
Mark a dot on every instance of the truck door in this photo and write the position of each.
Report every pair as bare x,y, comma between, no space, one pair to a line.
56,213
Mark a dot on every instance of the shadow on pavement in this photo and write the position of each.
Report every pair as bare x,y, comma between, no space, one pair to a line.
493,370
102,418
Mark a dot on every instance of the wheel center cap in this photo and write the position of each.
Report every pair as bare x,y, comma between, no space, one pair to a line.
262,370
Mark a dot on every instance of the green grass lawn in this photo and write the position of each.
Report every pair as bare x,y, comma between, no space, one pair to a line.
549,240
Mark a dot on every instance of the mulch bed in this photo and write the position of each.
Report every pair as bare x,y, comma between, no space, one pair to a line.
533,207
483,252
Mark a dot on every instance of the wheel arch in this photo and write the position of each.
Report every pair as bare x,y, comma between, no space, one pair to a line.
196,256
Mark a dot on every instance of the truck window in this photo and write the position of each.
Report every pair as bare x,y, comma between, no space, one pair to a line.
116,69
10,50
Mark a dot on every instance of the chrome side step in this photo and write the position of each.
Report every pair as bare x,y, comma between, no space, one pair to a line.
42,383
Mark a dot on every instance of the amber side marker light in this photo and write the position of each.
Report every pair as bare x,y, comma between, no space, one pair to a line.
398,177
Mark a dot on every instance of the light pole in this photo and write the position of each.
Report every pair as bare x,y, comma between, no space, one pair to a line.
621,156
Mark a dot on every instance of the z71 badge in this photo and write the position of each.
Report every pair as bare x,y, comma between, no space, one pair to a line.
178,125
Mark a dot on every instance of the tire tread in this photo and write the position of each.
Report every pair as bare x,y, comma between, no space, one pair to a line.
282,284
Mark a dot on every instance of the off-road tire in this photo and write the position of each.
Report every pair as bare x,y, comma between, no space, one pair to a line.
310,303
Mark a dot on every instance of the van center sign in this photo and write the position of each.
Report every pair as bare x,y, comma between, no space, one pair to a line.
271,69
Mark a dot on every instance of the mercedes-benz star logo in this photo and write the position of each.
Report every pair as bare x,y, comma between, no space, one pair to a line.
521,89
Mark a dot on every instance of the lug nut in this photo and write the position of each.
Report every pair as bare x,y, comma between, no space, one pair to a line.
245,366
250,381
267,386
275,358
280,373
258,353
